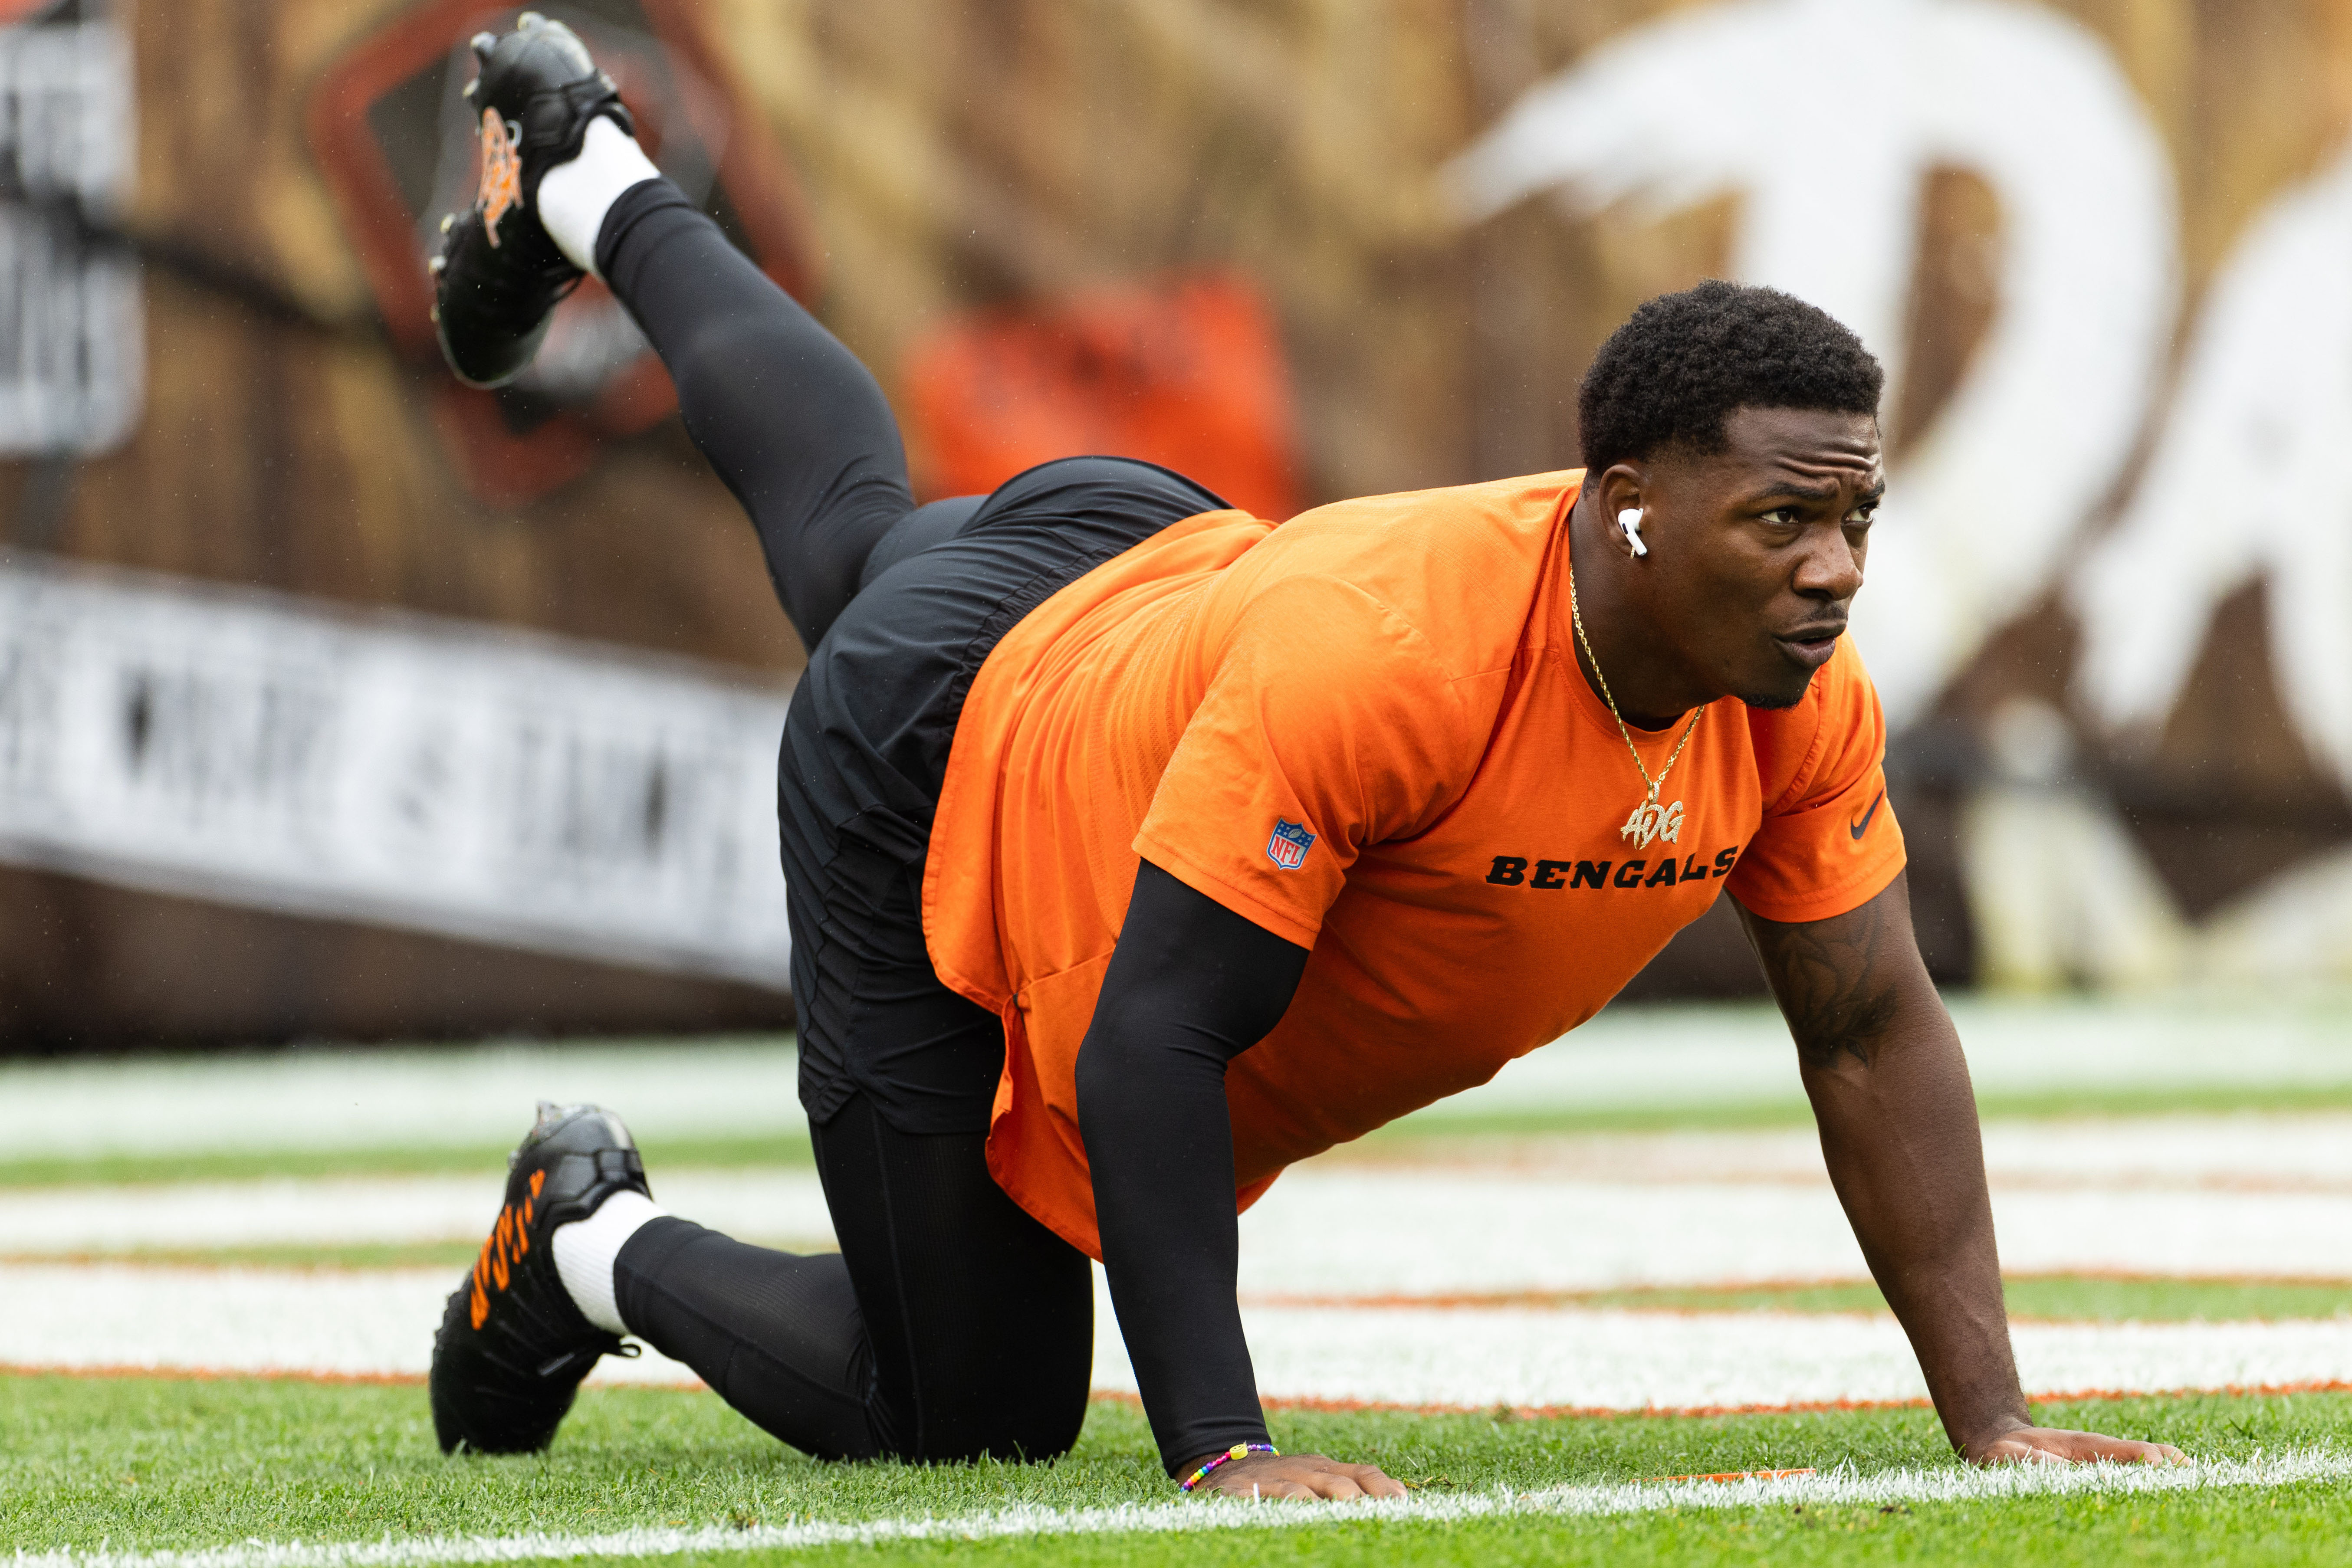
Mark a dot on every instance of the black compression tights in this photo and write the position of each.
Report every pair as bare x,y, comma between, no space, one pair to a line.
791,421
953,1325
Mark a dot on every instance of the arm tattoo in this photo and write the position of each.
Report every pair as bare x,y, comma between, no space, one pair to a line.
1838,981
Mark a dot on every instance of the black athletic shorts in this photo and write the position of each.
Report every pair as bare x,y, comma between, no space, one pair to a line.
866,750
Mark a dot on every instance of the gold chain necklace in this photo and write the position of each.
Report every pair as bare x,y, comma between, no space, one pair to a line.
1650,821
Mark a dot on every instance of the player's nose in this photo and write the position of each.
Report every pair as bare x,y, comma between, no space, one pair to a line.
1831,566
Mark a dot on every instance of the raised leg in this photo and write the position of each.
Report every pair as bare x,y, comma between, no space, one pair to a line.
787,417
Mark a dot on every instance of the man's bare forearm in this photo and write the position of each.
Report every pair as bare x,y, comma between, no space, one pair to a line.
1882,1066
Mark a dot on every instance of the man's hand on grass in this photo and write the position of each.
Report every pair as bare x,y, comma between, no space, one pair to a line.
2055,1446
1299,1476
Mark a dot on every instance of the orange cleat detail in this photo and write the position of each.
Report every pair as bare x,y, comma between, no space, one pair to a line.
512,1346
501,171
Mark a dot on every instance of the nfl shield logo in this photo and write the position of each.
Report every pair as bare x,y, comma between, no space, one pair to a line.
1288,846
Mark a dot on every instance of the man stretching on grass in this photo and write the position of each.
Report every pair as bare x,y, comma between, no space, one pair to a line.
1138,848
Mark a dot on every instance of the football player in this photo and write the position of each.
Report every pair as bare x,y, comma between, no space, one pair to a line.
1137,847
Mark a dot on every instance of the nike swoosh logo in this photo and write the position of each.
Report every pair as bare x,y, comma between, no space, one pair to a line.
1862,827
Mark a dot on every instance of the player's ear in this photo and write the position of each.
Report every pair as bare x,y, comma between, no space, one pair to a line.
1622,504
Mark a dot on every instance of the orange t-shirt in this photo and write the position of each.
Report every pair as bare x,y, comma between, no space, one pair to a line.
1366,731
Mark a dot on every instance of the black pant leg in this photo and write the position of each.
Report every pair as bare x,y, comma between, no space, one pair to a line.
950,1325
776,1334
791,421
982,1319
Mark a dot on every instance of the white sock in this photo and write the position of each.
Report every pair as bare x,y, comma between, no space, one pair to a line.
584,1251
574,197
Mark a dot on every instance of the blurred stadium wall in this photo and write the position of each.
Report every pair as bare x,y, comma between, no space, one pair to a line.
336,701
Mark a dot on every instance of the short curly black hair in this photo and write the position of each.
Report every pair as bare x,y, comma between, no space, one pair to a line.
1682,362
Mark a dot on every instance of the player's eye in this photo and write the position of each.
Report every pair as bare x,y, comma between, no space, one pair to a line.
1784,517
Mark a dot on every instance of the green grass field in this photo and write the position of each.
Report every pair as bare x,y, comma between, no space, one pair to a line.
128,1466
100,1471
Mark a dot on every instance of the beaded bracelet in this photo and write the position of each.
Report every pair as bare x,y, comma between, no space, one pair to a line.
1238,1450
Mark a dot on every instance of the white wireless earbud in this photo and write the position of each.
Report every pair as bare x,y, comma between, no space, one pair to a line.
1629,522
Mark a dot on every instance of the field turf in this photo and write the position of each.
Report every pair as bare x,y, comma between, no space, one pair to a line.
246,1472
136,1464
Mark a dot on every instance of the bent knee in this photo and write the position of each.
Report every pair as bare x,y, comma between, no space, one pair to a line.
1028,1426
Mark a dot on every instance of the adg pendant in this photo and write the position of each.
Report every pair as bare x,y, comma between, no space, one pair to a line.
1651,822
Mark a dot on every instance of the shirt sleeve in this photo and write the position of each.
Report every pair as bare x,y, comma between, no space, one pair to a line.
1828,844
1193,985
1328,723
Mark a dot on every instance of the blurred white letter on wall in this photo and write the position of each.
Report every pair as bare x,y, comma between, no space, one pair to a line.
72,330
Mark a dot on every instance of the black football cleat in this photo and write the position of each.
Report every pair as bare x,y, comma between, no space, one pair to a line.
512,1348
499,277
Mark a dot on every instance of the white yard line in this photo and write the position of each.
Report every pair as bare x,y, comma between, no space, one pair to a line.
1441,1230
757,1205
355,1323
1954,1485
380,1324
1426,1232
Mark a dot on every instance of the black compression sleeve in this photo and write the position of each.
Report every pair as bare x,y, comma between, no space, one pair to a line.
1192,985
